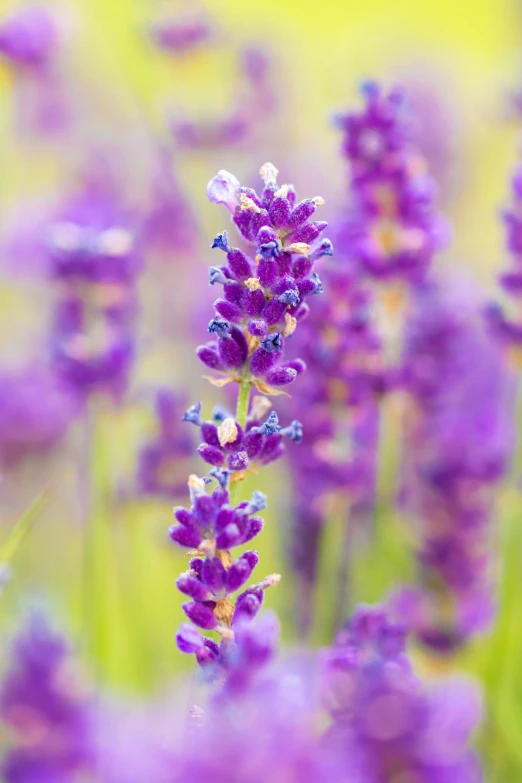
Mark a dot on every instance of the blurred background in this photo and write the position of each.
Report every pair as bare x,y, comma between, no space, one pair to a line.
143,102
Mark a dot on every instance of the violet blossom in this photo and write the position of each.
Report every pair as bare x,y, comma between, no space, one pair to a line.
31,39
386,725
458,445
36,408
164,461
263,296
393,229
46,717
95,261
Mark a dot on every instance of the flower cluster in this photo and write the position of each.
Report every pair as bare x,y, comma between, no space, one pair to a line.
95,263
263,297
458,443
254,98
386,726
227,444
46,717
338,397
36,407
212,528
182,35
393,230
30,37
162,462
506,326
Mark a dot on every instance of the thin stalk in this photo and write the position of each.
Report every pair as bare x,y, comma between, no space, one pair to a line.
241,417
343,574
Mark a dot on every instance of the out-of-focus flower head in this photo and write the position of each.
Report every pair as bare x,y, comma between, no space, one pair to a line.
36,408
95,261
386,724
31,41
164,461
30,37
458,446
505,321
183,34
253,99
169,226
264,295
393,229
43,712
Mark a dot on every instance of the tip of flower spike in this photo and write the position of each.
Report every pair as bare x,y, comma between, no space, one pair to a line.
227,432
271,580
221,242
192,415
196,485
294,431
257,502
260,406
318,285
271,425
300,248
248,203
273,343
219,326
216,275
268,173
221,475
369,88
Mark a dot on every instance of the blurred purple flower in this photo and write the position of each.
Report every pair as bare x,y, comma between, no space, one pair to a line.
163,463
36,408
458,444
47,717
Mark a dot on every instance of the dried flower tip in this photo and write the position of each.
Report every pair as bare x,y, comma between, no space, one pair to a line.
223,611
282,192
268,173
253,283
221,242
257,502
227,432
192,415
222,476
248,203
196,485
290,325
318,201
225,632
260,406
271,425
270,581
301,248
208,547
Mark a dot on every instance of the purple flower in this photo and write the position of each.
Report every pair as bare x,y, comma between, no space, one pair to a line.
29,37
260,309
458,445
47,719
93,256
393,229
163,463
36,408
179,36
227,444
385,723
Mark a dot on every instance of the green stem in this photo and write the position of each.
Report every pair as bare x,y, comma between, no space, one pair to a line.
241,416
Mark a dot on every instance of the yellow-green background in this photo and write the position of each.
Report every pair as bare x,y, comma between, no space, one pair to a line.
472,51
